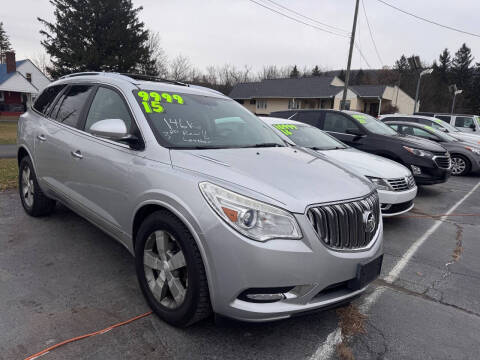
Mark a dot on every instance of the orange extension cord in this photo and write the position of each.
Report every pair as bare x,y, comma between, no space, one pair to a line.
43,352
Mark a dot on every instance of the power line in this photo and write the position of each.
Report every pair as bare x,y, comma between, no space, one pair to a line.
363,56
429,21
308,18
297,20
371,33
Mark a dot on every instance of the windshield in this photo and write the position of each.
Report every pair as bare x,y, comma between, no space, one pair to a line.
373,125
440,134
200,122
309,137
442,124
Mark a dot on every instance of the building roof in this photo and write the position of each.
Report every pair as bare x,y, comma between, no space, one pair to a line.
15,81
368,90
304,87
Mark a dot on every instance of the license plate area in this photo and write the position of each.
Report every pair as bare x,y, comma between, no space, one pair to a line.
366,273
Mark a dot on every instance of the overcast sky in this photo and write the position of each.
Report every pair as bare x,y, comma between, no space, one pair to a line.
239,32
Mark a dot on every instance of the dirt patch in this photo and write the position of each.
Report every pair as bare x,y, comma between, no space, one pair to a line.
351,322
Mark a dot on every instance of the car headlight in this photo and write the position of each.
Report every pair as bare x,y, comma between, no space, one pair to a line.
473,149
380,183
252,218
419,152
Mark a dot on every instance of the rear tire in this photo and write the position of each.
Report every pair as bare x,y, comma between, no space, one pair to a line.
170,270
461,166
34,201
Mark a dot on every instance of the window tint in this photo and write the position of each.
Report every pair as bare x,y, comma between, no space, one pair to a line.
445,118
68,109
108,104
463,121
46,98
338,123
310,118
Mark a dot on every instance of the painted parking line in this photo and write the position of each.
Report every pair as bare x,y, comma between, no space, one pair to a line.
327,348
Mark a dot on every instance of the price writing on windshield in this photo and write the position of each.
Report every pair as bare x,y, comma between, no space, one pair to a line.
360,118
285,128
152,100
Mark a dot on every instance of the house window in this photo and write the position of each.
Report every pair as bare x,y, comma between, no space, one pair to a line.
293,104
252,102
261,104
347,105
28,76
240,101
2,96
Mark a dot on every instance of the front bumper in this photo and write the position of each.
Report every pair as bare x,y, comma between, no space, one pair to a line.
389,199
431,173
315,273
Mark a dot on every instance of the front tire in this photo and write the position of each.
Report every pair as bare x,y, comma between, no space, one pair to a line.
33,199
460,165
170,270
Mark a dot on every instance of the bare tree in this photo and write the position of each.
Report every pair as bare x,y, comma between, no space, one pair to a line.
180,68
157,52
41,61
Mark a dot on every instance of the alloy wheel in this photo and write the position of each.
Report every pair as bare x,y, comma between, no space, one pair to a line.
28,189
165,269
458,166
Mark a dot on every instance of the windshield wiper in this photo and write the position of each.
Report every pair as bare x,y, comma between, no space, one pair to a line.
265,145
329,148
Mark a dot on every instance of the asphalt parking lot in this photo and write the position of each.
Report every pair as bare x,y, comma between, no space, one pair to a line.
60,277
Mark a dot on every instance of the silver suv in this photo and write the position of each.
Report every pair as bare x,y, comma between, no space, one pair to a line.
218,212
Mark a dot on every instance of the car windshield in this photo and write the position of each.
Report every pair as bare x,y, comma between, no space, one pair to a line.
373,125
309,137
444,125
440,134
186,121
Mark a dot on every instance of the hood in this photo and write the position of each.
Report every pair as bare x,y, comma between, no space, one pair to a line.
419,143
292,178
367,164
470,138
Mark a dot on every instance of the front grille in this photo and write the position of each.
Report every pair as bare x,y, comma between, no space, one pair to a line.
402,184
343,226
443,162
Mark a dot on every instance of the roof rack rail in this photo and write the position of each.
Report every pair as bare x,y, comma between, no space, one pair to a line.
80,74
153,78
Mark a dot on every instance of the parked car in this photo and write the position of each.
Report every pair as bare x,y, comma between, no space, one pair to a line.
220,214
465,156
435,123
395,184
428,161
463,122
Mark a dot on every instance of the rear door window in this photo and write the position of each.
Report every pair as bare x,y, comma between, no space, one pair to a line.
309,118
445,118
464,121
70,106
338,123
46,98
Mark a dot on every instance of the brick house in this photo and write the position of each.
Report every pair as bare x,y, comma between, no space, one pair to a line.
20,83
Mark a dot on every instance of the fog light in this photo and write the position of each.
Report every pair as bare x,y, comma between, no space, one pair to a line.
265,297
416,170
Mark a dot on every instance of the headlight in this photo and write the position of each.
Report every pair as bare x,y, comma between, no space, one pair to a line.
418,152
380,183
254,219
473,149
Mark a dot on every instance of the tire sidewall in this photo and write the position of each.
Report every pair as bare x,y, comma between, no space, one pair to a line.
183,314
25,162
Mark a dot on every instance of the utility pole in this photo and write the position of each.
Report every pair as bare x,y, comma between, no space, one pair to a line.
349,63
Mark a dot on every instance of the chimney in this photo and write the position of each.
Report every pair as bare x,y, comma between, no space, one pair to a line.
10,61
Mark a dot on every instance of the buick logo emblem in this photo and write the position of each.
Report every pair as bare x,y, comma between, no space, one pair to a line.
369,221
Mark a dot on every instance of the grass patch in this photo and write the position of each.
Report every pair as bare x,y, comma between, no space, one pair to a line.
8,133
8,174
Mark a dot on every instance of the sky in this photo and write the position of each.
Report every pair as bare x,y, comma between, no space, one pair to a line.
240,32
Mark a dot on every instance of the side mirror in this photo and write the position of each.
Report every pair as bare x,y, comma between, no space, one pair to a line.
356,132
473,127
116,130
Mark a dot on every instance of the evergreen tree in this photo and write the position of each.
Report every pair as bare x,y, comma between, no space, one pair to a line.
341,76
294,73
316,71
444,62
461,67
475,91
96,35
401,65
4,43
359,78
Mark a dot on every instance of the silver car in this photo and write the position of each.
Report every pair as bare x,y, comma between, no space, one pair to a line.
220,215
395,183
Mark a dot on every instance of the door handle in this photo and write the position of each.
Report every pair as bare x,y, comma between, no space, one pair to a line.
41,137
77,154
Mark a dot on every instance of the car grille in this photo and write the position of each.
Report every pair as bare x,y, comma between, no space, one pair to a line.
443,162
402,184
343,226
